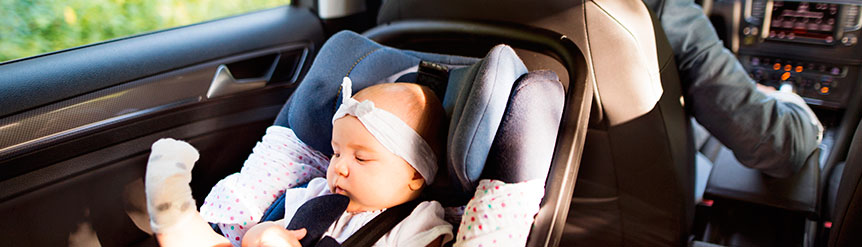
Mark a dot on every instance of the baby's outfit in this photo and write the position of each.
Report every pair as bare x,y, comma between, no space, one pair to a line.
500,214
278,162
424,225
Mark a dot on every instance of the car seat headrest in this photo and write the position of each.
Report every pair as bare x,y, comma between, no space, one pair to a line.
312,105
475,96
309,111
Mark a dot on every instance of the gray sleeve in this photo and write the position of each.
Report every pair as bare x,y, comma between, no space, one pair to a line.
765,133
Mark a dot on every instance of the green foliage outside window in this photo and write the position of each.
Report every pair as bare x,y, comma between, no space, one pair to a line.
38,26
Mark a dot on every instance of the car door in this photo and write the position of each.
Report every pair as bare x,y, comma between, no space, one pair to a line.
76,125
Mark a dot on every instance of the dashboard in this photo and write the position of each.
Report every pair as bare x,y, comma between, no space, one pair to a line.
812,46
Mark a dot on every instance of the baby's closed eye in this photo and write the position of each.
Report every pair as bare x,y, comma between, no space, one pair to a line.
364,156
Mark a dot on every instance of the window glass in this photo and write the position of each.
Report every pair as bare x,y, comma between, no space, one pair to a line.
39,26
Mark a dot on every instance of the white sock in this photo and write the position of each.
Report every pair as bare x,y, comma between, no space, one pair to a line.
169,197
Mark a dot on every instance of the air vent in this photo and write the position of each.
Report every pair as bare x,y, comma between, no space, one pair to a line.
852,17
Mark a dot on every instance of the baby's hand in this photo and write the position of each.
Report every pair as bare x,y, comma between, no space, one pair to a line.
272,234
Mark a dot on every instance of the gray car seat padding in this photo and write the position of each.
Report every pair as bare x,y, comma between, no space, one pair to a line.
476,97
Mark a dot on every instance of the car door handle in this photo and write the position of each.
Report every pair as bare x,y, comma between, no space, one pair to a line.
224,83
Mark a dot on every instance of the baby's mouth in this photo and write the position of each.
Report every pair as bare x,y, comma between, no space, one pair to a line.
339,190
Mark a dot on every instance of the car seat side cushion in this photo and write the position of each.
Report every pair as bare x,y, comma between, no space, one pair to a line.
477,109
524,144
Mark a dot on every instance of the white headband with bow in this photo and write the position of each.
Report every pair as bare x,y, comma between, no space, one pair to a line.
398,137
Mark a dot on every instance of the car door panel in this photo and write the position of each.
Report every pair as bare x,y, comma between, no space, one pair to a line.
76,125
76,71
84,114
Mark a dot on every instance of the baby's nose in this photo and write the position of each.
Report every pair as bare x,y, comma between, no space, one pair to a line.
341,167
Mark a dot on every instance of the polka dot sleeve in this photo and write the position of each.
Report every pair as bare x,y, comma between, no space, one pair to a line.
278,162
500,213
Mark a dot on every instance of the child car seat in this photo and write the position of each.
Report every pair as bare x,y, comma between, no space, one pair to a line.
477,97
541,48
636,183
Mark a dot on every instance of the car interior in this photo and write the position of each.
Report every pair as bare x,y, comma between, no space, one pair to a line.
803,209
629,167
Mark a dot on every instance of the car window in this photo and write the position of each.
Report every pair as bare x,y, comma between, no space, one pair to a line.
35,27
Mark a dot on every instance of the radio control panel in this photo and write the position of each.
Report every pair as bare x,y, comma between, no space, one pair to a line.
812,45
824,84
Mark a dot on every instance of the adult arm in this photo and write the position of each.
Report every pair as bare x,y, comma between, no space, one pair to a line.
765,132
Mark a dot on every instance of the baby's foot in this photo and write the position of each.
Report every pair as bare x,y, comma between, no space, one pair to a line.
169,197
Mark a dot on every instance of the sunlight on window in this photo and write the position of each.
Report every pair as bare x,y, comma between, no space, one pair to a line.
35,27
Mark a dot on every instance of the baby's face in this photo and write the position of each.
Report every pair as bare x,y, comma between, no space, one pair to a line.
365,171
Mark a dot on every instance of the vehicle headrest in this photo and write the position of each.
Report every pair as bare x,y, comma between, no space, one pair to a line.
475,97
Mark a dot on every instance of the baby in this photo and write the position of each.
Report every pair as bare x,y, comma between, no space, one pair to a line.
385,141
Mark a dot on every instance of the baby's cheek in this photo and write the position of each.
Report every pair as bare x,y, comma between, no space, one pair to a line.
389,190
330,171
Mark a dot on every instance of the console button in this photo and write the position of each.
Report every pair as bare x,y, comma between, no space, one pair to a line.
785,76
849,39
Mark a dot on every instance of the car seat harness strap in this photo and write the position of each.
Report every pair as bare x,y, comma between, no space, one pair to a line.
433,76
371,232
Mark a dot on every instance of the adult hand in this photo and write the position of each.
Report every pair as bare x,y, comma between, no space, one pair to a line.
790,97
764,88
271,234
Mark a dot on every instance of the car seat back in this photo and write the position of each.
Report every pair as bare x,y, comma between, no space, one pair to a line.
636,182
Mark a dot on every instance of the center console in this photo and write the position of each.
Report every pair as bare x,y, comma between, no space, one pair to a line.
811,45
813,48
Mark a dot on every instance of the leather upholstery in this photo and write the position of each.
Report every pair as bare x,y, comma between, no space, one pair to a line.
636,184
